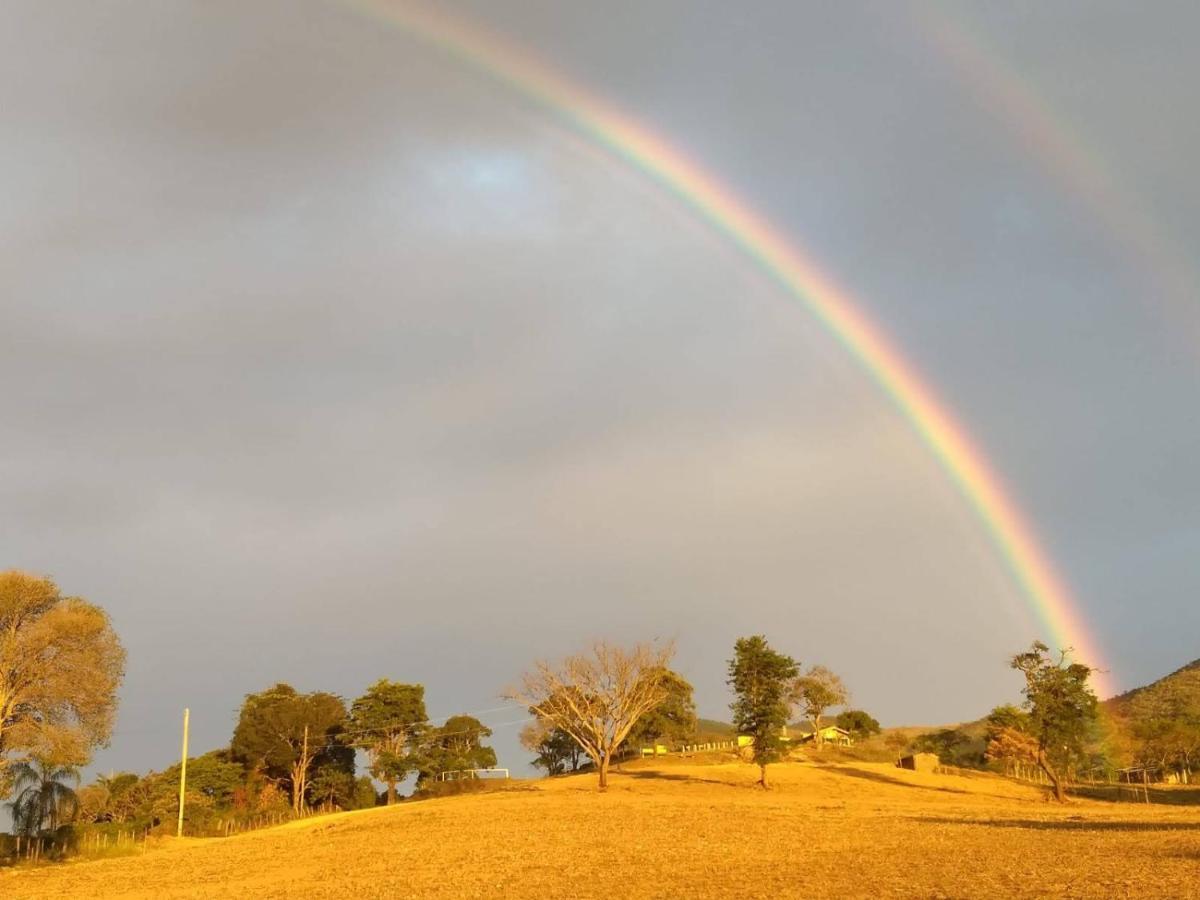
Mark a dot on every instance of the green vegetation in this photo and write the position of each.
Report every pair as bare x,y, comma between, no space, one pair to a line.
60,664
673,721
286,735
388,722
1061,708
860,725
760,679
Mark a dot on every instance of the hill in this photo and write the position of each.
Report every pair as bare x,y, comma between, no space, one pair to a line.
672,829
1179,690
713,730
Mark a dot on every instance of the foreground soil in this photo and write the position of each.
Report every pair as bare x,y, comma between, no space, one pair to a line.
852,830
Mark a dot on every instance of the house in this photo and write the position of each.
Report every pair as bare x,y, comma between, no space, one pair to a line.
828,734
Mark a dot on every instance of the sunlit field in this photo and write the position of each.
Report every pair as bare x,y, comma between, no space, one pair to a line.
679,830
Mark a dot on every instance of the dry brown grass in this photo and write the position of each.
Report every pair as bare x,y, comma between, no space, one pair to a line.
684,830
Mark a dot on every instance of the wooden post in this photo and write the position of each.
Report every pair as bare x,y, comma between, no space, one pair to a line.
182,774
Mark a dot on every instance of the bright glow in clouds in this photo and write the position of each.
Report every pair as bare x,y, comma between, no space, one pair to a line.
798,275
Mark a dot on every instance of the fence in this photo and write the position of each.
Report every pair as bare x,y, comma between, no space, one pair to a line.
70,841
463,774
704,748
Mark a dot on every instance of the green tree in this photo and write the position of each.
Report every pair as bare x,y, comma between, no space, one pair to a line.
43,799
555,749
389,722
673,720
455,747
858,723
60,666
119,796
816,691
1061,707
365,796
760,679
953,746
288,734
214,775
332,785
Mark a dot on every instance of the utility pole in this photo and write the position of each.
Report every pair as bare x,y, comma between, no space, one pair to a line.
182,774
304,773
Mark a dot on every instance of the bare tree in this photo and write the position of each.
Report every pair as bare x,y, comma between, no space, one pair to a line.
596,697
817,690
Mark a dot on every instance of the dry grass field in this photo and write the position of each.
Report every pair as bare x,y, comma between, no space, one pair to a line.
679,830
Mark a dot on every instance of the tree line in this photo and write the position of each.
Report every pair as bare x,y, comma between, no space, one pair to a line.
61,664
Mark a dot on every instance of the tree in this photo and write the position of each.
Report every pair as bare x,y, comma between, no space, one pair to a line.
455,747
43,799
1166,726
286,733
332,785
760,679
858,723
388,721
1008,740
815,691
1061,707
596,697
555,748
674,719
60,666
212,775
364,793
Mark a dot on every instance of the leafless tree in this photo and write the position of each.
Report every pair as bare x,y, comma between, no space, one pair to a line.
596,697
815,691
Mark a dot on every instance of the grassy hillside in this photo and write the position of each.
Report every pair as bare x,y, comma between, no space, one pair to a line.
1181,686
1131,717
671,830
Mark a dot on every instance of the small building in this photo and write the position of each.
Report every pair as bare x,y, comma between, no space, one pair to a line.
919,762
828,734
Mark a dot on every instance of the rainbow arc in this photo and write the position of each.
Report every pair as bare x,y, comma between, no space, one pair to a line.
797,274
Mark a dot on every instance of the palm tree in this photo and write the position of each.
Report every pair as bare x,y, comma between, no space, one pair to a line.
43,799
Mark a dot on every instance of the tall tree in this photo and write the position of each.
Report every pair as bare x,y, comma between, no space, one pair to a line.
761,679
60,666
674,719
286,734
816,691
43,799
389,722
456,747
596,697
1061,707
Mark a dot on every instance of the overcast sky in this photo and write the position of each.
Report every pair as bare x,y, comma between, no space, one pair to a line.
328,359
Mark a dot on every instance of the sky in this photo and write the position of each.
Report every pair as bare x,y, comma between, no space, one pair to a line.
328,357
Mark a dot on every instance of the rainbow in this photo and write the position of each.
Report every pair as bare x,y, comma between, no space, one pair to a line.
1066,158
1048,596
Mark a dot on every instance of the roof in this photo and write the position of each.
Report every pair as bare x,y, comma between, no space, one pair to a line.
806,728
